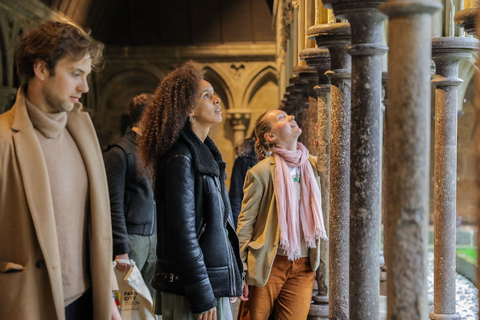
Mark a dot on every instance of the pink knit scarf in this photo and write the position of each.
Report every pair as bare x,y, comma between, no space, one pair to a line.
289,213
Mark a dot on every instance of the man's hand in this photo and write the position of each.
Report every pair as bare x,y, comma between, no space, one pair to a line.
244,296
122,266
208,315
115,313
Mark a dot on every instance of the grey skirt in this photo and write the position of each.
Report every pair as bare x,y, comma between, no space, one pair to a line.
176,307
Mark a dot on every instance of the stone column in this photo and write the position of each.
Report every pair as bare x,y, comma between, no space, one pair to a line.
383,154
239,120
293,97
408,134
301,109
320,60
310,75
446,53
467,19
366,50
336,37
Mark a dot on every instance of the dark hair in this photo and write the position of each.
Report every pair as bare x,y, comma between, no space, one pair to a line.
262,127
137,105
52,41
167,113
245,147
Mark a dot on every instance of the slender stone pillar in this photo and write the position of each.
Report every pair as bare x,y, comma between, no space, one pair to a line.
310,75
383,132
366,50
467,19
408,134
293,96
320,60
336,37
239,120
446,53
301,113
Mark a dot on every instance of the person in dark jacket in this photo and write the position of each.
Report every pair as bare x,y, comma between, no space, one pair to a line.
198,264
132,203
246,158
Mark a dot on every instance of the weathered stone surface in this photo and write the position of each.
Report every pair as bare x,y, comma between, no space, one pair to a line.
336,37
366,28
407,156
446,53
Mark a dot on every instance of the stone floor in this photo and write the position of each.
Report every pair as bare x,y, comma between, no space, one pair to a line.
467,301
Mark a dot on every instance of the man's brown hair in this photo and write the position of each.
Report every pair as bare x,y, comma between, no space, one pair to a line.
52,41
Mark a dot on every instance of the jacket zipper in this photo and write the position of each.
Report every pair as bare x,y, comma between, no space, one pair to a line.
201,231
229,246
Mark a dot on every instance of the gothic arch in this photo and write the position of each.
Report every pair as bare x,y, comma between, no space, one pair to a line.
114,95
264,76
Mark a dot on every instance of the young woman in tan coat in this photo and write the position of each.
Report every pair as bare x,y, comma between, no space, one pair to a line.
281,223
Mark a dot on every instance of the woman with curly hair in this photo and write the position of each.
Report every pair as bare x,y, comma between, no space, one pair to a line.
281,223
198,266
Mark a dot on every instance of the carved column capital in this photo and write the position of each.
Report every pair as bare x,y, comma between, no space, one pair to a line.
239,118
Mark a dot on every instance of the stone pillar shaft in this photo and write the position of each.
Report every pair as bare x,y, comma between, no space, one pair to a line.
336,37
320,60
445,174
446,53
366,51
408,136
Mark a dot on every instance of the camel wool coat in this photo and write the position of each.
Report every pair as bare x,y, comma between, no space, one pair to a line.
30,270
258,229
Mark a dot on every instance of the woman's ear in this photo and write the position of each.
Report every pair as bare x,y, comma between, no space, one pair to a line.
270,137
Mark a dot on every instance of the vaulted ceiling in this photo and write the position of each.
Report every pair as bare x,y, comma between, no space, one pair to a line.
171,22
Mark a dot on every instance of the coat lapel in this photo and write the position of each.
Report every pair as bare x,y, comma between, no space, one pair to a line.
33,170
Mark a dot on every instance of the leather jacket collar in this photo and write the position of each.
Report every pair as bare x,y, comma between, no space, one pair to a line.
206,157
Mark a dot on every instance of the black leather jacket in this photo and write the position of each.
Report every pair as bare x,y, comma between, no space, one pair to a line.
132,203
197,248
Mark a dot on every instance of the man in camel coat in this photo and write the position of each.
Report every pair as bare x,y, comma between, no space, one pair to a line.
55,237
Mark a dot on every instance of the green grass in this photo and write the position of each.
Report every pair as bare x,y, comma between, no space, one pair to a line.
471,252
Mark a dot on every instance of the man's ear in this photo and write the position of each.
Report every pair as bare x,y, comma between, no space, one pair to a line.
40,69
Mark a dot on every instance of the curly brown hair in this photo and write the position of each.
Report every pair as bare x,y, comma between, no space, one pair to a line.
263,126
52,41
167,113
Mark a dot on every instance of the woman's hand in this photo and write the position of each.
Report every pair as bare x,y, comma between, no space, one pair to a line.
244,296
120,265
208,315
115,313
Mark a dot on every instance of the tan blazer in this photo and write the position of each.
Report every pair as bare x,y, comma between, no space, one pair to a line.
258,229
30,272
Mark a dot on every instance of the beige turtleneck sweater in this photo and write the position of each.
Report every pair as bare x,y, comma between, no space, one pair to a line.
69,187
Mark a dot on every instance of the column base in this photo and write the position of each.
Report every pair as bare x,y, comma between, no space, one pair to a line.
318,312
320,299
439,316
